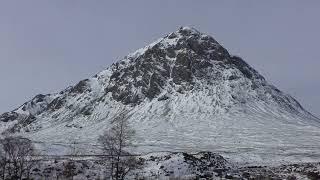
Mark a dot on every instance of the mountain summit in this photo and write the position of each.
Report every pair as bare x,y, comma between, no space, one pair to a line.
184,92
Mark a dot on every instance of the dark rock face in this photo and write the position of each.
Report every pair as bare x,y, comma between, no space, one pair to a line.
24,121
33,107
56,104
149,74
81,87
9,116
246,70
182,69
39,98
38,103
161,65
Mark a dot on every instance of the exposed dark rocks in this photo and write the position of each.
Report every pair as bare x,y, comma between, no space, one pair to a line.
23,123
172,35
87,110
56,103
39,98
81,87
200,165
9,116
163,98
246,70
73,126
149,73
182,69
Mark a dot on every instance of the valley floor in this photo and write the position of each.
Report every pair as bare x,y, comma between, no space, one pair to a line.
204,165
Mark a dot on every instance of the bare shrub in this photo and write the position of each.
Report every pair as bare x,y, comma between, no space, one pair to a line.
16,157
115,143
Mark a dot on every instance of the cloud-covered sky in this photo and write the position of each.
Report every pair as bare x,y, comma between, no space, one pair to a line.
48,45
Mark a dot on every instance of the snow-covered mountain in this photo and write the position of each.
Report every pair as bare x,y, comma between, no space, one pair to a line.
184,92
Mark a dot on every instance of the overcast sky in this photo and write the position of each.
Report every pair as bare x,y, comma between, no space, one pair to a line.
47,45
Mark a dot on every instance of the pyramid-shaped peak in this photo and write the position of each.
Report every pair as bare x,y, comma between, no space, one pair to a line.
184,38
183,61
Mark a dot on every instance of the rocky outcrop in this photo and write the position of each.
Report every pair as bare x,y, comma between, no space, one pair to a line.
9,116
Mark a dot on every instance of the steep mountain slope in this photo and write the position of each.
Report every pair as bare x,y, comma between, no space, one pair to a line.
184,92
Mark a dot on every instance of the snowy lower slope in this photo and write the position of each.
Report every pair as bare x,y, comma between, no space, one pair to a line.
252,135
184,92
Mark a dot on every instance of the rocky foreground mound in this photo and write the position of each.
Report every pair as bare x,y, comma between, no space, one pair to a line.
204,165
